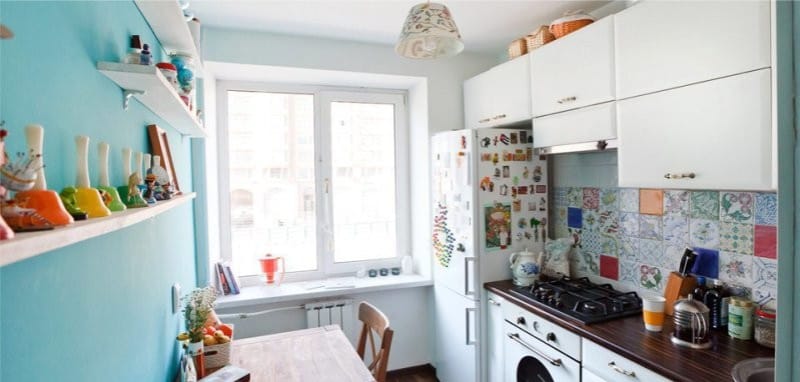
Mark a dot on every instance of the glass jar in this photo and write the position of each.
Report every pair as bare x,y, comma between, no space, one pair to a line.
765,327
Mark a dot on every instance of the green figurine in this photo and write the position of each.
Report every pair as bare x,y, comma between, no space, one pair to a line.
71,203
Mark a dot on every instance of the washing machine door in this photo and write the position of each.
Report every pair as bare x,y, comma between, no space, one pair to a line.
530,369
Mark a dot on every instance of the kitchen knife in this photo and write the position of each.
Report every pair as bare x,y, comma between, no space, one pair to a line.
687,261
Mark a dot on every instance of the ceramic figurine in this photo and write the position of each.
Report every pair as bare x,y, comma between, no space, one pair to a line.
149,193
22,219
5,231
164,191
111,197
134,195
145,58
69,201
88,198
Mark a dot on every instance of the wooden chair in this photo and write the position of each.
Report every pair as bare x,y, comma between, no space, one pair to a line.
375,321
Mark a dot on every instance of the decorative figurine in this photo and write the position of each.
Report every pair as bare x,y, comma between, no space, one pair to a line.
134,195
22,219
88,198
145,58
67,196
149,193
163,189
5,231
111,197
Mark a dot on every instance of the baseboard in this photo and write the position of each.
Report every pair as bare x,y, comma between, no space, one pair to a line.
419,369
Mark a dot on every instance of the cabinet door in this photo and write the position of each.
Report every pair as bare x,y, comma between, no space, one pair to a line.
588,124
719,130
494,327
477,101
604,364
588,376
664,44
511,93
574,71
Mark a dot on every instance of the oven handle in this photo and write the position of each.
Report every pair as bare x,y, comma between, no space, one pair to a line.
515,337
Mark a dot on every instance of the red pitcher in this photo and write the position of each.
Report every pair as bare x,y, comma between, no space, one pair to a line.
269,265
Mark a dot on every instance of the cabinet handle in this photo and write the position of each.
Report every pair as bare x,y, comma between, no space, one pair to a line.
468,335
536,326
685,175
484,120
620,370
493,302
499,116
520,320
515,337
567,99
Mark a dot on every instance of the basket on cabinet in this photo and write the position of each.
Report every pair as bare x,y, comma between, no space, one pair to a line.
517,48
570,22
217,355
538,38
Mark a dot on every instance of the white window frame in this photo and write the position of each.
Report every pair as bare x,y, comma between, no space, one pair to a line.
323,96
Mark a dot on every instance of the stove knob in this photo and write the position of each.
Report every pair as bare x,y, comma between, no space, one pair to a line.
520,320
551,337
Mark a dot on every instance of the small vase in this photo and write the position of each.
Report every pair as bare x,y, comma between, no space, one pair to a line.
196,352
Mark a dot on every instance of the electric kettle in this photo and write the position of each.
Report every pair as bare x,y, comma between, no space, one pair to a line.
691,324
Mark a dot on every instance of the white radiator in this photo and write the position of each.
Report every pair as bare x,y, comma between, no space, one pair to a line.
332,312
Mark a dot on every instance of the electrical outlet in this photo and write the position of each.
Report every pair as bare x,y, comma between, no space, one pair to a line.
176,298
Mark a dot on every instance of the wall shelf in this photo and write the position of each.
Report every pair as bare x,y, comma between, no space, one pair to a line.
30,244
148,85
168,24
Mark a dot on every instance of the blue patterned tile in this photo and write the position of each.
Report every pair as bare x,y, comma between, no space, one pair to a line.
766,209
676,202
765,279
736,207
629,248
652,252
590,242
735,268
704,233
676,229
629,273
609,199
650,227
629,223
629,200
574,217
591,220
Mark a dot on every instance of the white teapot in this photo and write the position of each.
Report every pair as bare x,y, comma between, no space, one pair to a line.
525,267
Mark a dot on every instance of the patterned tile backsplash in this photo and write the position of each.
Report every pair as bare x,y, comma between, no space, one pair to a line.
637,236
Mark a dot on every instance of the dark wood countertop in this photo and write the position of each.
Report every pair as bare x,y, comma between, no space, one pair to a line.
628,337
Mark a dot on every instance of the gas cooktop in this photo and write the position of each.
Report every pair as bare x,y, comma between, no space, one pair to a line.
580,299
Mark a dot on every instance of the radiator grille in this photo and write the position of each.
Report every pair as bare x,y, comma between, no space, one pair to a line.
332,312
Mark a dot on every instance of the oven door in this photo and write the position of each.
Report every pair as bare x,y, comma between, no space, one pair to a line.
530,360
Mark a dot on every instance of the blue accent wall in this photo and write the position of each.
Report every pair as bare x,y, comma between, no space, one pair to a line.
100,309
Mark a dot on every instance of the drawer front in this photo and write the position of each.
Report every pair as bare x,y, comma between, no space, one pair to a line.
611,366
544,330
589,124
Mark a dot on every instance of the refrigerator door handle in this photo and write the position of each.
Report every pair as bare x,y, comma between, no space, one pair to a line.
469,322
467,282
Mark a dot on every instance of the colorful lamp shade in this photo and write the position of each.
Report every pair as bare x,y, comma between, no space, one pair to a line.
429,32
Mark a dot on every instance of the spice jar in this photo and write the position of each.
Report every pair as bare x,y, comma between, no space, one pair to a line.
740,318
765,327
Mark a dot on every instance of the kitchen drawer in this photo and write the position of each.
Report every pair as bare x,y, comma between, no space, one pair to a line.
611,366
544,330
588,124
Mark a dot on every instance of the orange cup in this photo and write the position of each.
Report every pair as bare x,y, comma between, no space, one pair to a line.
653,312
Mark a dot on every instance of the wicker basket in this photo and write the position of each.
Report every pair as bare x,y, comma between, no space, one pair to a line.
538,38
517,48
218,355
570,22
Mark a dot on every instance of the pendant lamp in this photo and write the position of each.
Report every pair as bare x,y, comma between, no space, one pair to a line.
429,32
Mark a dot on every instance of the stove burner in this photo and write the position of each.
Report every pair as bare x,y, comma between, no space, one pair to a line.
581,299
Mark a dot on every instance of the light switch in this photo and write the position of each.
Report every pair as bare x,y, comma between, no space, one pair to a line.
176,298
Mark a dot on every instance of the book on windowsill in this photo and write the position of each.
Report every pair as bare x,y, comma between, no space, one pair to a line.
231,279
225,288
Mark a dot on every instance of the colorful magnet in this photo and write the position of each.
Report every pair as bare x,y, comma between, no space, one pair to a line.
515,180
531,205
542,204
514,192
506,171
537,174
541,189
485,142
504,190
529,154
523,136
463,142
513,138
517,204
522,223
504,139
485,182
522,190
495,140
526,173
495,158
497,172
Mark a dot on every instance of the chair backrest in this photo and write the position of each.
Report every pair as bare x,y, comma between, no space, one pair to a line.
375,322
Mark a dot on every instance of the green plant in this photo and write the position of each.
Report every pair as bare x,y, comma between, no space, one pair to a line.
197,305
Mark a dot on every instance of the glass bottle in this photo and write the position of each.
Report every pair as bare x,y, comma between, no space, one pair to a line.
713,300
699,291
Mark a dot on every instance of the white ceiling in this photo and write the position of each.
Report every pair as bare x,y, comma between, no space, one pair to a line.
486,26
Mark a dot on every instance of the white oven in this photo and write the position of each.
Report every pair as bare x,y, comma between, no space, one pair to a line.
536,350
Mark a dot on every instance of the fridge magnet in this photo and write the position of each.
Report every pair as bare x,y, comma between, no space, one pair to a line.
495,158
507,156
530,139
517,205
541,189
497,172
514,192
463,142
519,236
486,141
506,172
537,174
442,238
498,225
461,248
504,139
542,204
504,190
528,235
519,155
523,136
495,140
487,184
515,180
531,205
529,154
522,190
522,223
486,157
513,138
526,173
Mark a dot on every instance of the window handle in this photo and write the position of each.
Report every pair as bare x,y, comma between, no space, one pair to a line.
327,184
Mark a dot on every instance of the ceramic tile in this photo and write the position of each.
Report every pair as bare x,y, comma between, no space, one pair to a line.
609,199
672,256
560,197
736,237
652,252
735,268
574,217
629,248
766,209
704,205
609,245
651,202
575,197
765,279
591,221
590,263
608,222
704,233
736,207
651,278
609,267
676,229
766,244
650,227
629,223
590,242
629,273
676,202
591,198
629,200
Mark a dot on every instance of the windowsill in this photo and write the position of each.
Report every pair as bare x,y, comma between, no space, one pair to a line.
304,290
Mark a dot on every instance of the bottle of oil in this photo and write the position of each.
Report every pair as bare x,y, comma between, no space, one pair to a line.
699,291
713,300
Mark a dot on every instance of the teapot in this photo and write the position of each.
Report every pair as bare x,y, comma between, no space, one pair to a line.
269,265
691,324
525,267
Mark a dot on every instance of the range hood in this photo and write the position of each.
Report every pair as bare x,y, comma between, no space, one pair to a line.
591,128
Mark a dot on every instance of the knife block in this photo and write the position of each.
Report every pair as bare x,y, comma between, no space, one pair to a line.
677,286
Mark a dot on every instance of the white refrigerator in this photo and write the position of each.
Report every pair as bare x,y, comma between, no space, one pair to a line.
490,200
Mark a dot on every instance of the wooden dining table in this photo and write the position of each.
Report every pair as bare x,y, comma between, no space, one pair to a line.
307,355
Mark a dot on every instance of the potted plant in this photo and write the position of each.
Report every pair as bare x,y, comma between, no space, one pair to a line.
198,307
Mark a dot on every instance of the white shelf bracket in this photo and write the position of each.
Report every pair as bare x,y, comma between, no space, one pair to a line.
127,94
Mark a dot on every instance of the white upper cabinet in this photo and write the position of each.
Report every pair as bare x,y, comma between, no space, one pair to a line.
666,44
499,96
588,124
574,71
718,131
